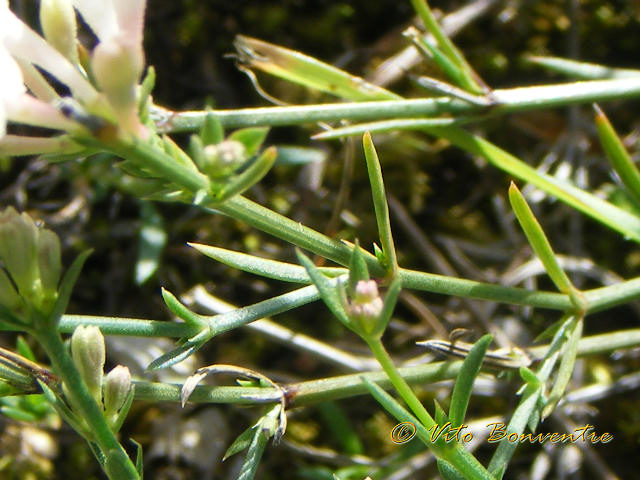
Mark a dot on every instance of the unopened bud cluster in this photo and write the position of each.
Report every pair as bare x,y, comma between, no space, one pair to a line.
365,307
224,158
31,266
88,353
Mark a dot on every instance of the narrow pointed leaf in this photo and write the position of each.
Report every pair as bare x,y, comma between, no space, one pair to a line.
249,177
66,287
211,132
139,458
529,376
254,454
63,410
464,382
565,370
196,151
380,203
252,138
448,472
538,240
390,300
519,421
146,87
357,269
124,410
178,155
440,416
151,242
309,72
181,311
430,51
396,410
286,272
446,45
18,414
581,70
23,348
241,442
617,153
328,291
600,210
181,353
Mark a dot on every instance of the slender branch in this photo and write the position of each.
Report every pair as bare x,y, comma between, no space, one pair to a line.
506,101
346,386
598,299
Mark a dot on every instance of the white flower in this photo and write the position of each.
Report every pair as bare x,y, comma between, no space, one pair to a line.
11,85
25,44
19,43
118,60
112,18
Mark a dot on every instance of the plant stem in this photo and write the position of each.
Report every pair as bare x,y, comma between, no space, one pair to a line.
345,386
132,327
507,101
598,299
453,453
399,383
84,403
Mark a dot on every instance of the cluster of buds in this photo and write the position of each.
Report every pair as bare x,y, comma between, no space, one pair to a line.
112,392
222,159
103,82
366,305
359,306
31,267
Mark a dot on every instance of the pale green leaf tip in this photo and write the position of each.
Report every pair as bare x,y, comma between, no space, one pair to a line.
598,110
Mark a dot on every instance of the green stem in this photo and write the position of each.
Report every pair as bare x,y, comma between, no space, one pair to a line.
313,392
453,453
506,101
160,162
82,400
399,383
598,299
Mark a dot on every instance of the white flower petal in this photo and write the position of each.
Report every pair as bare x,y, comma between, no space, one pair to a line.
29,110
24,43
100,16
11,85
130,15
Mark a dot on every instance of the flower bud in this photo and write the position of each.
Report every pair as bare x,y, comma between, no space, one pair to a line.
58,21
366,306
88,352
224,158
117,64
31,258
49,262
19,252
117,385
